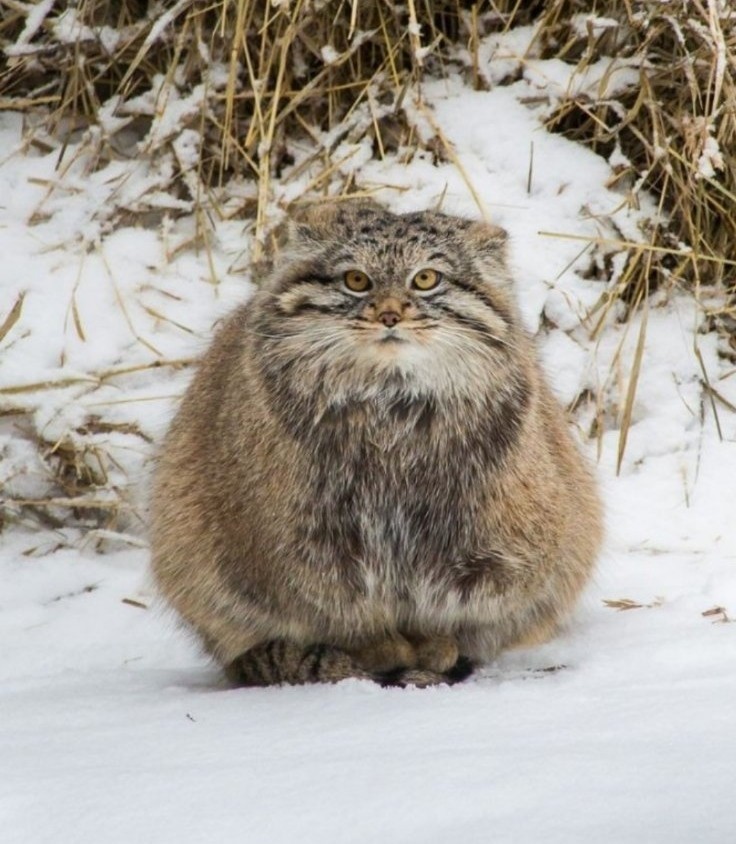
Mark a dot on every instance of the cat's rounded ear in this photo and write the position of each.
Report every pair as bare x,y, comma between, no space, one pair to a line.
322,221
295,235
488,238
488,246
306,230
311,224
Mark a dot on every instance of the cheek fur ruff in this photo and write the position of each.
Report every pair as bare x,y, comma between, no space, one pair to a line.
313,338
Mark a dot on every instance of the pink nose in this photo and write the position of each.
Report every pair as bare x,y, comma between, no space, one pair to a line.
389,318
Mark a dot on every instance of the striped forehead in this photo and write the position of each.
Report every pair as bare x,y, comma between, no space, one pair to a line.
370,236
371,223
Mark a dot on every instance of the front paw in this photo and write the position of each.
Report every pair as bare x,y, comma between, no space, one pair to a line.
460,671
382,656
422,678
435,653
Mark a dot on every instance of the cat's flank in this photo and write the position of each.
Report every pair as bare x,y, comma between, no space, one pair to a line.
368,476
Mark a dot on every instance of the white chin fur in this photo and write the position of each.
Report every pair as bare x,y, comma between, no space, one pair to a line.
436,364
443,363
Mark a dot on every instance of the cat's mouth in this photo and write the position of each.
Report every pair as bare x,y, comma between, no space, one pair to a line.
400,334
390,336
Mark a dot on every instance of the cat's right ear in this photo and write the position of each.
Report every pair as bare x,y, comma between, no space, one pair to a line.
311,225
297,237
324,222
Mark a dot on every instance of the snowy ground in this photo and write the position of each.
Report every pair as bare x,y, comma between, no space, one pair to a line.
113,728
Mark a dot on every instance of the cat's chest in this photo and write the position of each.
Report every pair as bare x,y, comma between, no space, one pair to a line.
400,499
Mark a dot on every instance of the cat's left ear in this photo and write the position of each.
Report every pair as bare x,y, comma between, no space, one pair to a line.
488,238
488,247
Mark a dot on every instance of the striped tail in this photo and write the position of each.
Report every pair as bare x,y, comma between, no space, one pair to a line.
280,662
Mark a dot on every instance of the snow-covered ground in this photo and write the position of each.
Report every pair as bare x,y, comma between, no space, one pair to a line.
114,728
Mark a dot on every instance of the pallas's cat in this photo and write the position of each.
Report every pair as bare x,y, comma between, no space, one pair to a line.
368,476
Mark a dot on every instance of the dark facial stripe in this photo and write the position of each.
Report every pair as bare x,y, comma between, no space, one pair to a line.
306,278
316,278
313,307
471,323
485,298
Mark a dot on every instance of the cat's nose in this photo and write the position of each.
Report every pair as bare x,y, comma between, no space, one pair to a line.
389,318
389,311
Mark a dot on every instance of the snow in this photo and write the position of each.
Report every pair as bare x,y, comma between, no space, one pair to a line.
115,728
34,21
329,54
69,29
711,158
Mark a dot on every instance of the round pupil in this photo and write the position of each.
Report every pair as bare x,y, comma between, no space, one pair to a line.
356,280
426,279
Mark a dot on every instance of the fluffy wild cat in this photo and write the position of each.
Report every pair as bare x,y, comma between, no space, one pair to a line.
368,476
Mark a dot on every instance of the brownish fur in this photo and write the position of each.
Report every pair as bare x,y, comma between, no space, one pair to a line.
326,506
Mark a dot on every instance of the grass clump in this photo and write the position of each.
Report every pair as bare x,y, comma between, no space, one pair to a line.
675,130
247,78
244,78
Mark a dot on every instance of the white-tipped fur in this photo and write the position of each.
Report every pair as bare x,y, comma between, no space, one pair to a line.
339,486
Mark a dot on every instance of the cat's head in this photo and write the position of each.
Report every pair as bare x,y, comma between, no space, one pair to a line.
362,299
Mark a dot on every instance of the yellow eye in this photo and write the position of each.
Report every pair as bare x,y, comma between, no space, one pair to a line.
426,279
357,281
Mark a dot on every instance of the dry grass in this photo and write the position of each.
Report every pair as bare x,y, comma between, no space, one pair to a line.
677,127
255,75
675,132
255,81
265,74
